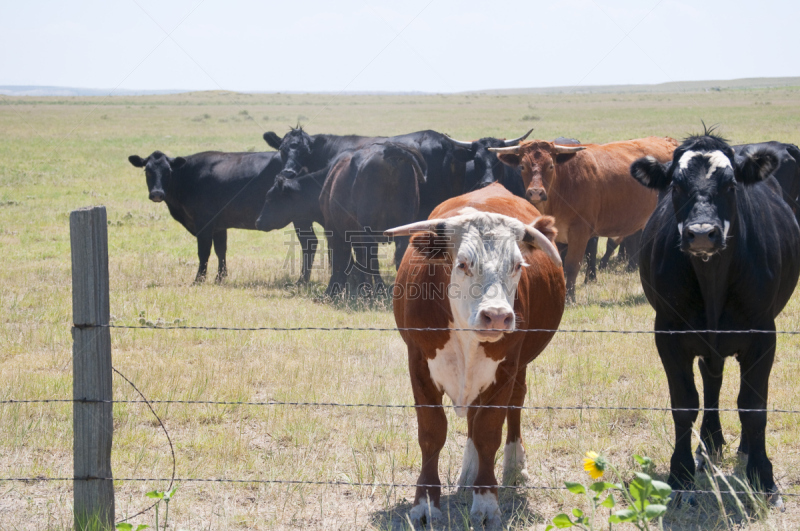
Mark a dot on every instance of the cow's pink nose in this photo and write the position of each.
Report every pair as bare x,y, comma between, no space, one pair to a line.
496,319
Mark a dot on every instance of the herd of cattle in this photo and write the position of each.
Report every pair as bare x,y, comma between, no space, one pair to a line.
713,228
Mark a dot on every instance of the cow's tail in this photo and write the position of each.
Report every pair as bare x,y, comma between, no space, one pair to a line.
794,151
410,156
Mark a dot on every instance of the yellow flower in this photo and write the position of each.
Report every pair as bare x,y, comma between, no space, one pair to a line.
595,465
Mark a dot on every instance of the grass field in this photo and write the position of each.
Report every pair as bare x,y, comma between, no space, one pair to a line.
58,154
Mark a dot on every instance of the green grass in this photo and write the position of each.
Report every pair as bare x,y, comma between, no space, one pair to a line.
58,154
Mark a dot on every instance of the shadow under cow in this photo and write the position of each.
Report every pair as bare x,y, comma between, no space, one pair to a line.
515,506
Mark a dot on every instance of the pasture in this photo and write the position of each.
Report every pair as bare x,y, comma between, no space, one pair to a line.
58,154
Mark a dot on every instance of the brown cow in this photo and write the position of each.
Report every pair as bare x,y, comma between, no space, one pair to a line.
482,266
588,189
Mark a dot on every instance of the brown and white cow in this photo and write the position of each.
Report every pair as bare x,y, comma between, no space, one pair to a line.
483,266
588,189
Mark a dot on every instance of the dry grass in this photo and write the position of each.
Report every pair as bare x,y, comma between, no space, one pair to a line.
59,154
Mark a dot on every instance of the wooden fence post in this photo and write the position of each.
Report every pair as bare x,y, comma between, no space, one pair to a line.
93,422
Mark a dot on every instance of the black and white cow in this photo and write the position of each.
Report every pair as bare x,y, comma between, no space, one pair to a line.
720,252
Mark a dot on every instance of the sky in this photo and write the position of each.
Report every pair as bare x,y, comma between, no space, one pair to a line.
414,45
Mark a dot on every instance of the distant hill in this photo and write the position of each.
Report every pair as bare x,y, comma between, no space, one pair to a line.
33,90
675,86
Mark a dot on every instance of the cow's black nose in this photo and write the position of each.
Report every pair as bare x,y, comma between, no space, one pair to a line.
156,196
703,236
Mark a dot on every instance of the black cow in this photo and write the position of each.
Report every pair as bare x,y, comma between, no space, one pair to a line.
787,174
484,168
211,192
364,192
720,252
446,167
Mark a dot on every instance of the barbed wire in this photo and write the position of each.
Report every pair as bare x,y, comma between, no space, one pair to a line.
399,406
411,329
166,433
359,484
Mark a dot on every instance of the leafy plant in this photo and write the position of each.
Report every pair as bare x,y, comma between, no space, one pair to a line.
125,526
646,497
160,495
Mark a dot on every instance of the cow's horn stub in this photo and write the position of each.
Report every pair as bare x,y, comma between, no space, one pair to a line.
563,150
459,143
511,149
413,228
509,143
535,237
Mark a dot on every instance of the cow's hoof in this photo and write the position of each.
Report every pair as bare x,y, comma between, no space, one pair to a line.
775,501
516,477
700,462
514,471
423,514
742,458
469,468
683,499
485,512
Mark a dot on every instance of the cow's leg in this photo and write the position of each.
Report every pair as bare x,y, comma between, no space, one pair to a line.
308,246
611,246
341,251
623,253
432,433
359,274
373,266
756,363
711,368
400,246
633,247
591,260
220,248
204,242
487,435
514,466
469,464
578,238
562,250
677,362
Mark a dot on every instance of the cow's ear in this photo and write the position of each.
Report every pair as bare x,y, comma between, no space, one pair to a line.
651,173
509,159
547,226
436,246
273,140
137,161
177,162
756,165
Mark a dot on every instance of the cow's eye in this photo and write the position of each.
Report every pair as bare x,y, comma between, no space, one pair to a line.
464,268
517,267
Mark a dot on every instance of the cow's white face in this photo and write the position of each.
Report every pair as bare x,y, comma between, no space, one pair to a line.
486,271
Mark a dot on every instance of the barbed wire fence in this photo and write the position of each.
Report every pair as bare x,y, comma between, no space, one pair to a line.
93,401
